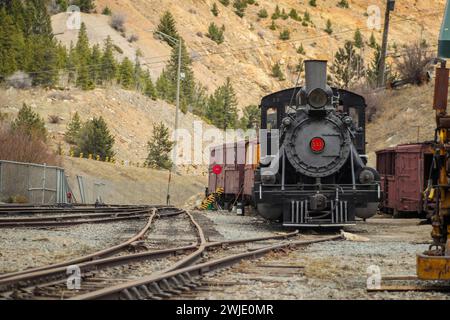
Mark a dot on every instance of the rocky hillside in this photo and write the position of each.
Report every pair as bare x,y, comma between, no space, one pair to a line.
251,48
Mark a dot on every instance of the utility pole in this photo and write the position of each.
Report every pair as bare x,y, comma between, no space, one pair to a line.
381,81
179,43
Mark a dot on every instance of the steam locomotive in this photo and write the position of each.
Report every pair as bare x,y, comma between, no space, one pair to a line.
312,169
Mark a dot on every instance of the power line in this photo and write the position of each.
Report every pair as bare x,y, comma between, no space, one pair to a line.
241,49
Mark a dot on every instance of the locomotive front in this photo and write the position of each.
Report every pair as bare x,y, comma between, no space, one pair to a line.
317,176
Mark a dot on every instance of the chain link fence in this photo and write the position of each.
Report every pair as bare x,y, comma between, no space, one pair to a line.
32,183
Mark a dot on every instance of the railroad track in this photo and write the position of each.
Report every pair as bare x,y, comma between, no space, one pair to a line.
55,217
128,276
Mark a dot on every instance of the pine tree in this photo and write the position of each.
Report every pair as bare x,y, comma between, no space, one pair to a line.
165,88
30,123
149,89
96,65
300,49
188,81
373,41
109,66
159,148
312,3
126,74
167,26
222,107
343,4
11,44
215,10
85,5
348,66
277,72
95,138
329,28
277,13
83,55
215,33
251,118
73,129
226,3
358,39
240,6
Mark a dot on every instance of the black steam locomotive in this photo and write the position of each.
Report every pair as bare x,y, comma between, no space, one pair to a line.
312,169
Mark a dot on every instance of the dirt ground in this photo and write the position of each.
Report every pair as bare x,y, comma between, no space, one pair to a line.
332,270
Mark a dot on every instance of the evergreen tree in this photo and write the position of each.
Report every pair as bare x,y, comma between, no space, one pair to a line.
11,44
240,6
126,74
94,138
215,10
251,118
373,41
358,39
300,49
30,123
73,129
83,55
85,5
277,13
165,88
222,107
96,64
188,81
263,14
149,89
215,33
277,72
226,3
167,26
109,66
343,4
329,28
348,66
159,148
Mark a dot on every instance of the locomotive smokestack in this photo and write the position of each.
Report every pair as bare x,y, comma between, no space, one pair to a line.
315,74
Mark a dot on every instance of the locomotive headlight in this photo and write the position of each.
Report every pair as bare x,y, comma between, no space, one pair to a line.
318,98
268,177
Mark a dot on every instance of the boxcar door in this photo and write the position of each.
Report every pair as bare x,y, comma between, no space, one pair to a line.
408,170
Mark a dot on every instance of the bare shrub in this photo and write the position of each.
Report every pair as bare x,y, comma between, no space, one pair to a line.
118,22
414,63
18,146
54,119
133,38
19,80
374,100
21,199
61,96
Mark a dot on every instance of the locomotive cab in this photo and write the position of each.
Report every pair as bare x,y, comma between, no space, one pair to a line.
313,165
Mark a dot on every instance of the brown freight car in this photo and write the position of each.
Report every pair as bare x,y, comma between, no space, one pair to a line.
237,162
404,172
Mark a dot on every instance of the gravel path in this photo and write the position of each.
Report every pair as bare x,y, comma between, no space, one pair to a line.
334,270
22,248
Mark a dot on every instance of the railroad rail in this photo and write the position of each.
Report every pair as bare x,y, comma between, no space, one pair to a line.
102,253
49,282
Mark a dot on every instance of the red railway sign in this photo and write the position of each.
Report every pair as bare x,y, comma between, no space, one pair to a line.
217,169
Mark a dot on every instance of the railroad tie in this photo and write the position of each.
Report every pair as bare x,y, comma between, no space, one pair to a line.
157,290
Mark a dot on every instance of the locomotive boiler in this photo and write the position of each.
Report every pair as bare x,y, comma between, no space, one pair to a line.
313,167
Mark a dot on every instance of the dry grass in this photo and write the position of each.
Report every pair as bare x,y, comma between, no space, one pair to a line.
18,146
